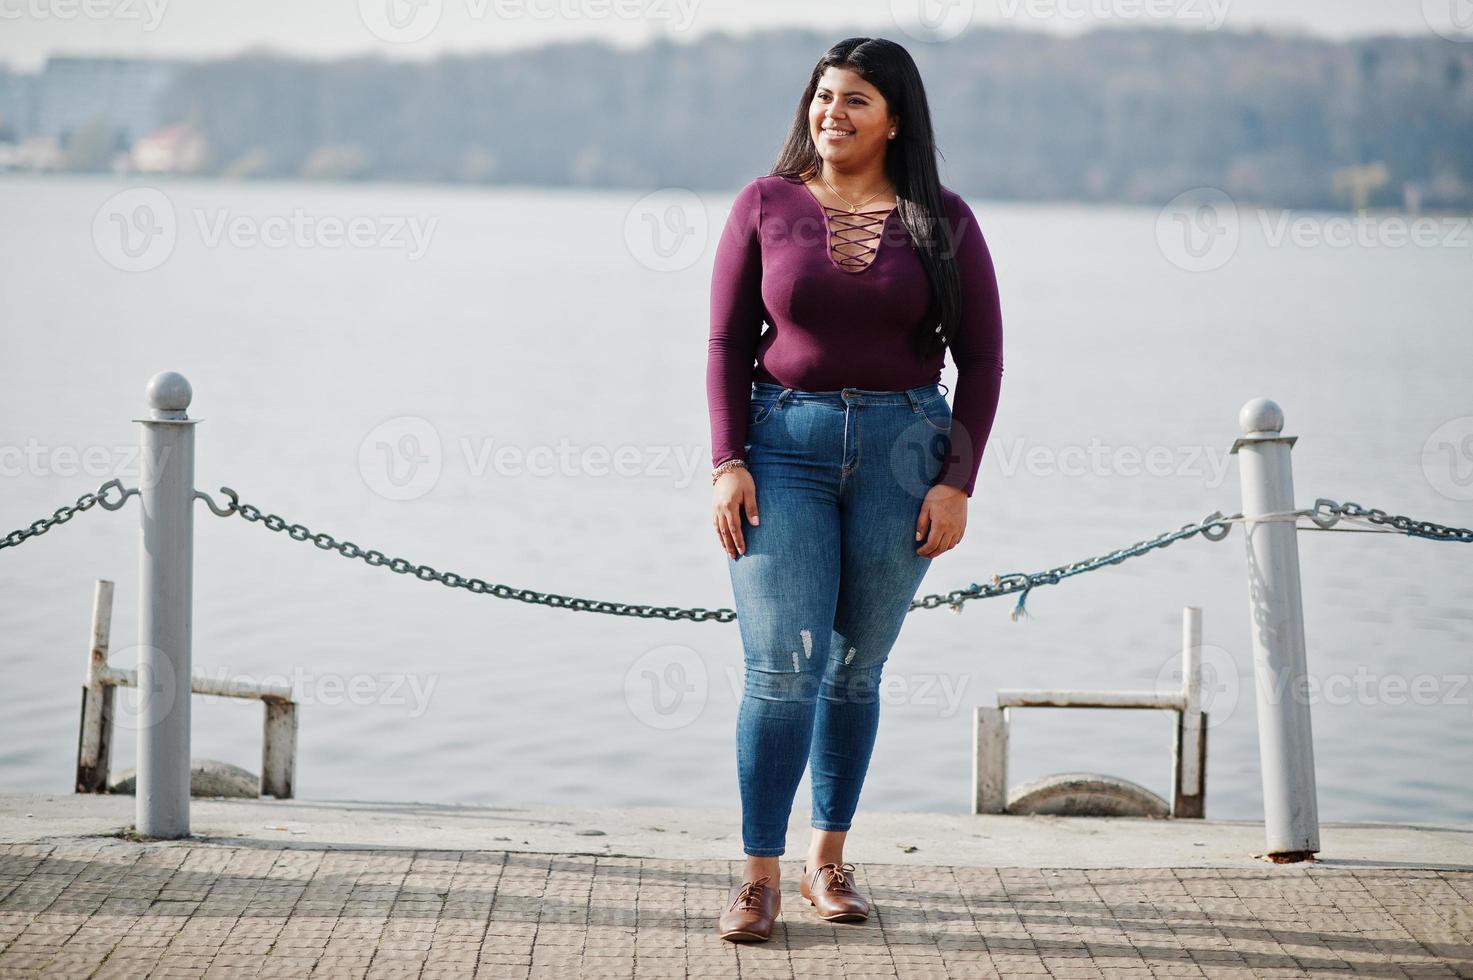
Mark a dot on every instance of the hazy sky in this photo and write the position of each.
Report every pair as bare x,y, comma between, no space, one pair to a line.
32,29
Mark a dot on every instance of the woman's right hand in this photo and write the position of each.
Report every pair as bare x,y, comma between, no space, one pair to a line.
733,491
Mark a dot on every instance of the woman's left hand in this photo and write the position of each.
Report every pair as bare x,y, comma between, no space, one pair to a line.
943,520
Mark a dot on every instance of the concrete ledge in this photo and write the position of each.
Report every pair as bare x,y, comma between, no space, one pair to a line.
681,833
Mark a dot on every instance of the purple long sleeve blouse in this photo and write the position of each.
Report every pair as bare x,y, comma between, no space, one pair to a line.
832,328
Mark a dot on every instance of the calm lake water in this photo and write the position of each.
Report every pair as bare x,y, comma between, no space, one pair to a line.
518,394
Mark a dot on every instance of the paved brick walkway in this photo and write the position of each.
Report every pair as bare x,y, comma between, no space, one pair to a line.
106,907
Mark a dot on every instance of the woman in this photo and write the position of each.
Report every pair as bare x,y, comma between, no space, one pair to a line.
839,446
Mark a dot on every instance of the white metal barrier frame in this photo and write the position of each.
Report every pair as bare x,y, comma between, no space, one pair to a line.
94,741
1189,747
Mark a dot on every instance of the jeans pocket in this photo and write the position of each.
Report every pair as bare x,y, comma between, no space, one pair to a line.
937,414
760,411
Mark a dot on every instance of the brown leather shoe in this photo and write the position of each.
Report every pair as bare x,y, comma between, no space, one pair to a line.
830,890
751,909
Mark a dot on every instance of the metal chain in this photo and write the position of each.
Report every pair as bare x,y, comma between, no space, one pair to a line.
65,513
427,574
1325,514
1213,527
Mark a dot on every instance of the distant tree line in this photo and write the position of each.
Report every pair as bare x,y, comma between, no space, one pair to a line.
1134,115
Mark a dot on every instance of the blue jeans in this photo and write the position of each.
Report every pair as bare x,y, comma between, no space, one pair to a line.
823,588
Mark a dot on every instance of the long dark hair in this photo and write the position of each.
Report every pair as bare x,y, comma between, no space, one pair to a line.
910,164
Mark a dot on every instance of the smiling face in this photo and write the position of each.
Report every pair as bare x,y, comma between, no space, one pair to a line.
848,119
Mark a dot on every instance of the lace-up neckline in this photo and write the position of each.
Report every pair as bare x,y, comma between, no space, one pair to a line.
855,230
863,229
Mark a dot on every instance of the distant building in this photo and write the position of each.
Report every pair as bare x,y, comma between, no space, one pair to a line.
40,153
70,92
179,149
1411,197
17,98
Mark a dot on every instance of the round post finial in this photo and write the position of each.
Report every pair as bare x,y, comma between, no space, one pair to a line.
169,395
1261,416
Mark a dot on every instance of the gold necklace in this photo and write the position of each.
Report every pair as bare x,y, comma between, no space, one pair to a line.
853,208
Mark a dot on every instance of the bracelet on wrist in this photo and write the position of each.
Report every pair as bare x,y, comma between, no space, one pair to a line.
727,467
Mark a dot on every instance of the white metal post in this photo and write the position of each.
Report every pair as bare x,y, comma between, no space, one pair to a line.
165,604
1276,619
